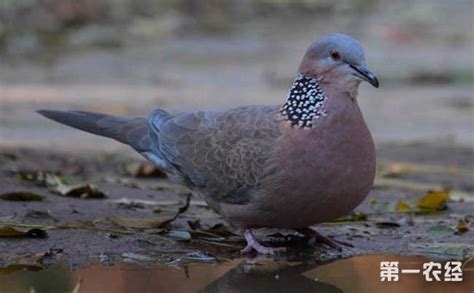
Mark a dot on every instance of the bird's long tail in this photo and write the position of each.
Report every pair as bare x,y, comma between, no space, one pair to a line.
131,131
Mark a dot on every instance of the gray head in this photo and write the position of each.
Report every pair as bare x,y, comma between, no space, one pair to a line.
337,58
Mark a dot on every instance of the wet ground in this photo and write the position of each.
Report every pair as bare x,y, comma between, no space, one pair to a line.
100,238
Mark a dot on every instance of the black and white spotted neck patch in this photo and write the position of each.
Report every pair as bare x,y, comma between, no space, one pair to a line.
305,102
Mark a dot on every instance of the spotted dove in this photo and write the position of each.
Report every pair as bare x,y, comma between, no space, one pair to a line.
292,165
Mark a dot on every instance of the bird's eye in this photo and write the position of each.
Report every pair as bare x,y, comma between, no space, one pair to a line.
335,55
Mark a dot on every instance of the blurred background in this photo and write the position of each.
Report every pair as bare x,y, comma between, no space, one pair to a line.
127,57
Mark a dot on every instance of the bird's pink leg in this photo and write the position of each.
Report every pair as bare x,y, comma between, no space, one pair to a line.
314,237
253,244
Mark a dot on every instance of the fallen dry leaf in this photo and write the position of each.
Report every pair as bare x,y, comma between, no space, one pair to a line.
7,231
22,196
403,207
434,200
83,191
180,210
148,223
37,177
463,225
10,232
56,184
86,190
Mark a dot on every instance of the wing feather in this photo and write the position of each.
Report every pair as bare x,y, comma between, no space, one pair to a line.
223,154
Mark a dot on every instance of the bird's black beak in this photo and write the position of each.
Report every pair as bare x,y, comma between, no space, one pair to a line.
365,73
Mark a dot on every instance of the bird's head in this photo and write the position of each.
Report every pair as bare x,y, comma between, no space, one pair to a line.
338,59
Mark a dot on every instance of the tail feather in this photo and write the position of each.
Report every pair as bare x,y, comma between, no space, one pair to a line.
131,131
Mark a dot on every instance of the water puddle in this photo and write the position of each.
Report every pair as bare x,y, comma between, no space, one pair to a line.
355,274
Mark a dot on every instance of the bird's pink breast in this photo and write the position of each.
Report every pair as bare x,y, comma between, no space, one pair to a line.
321,173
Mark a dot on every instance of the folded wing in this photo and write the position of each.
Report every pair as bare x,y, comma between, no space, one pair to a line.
224,154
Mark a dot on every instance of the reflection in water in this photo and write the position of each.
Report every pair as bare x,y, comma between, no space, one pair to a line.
356,274
269,277
57,278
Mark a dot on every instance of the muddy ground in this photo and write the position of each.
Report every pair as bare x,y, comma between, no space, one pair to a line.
82,231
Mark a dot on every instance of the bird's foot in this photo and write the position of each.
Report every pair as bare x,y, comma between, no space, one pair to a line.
253,244
315,237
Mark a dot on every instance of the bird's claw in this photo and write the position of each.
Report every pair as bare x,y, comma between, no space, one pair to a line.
253,244
315,237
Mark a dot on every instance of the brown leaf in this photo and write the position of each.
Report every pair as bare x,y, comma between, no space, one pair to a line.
148,223
10,232
22,196
7,231
56,184
85,190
